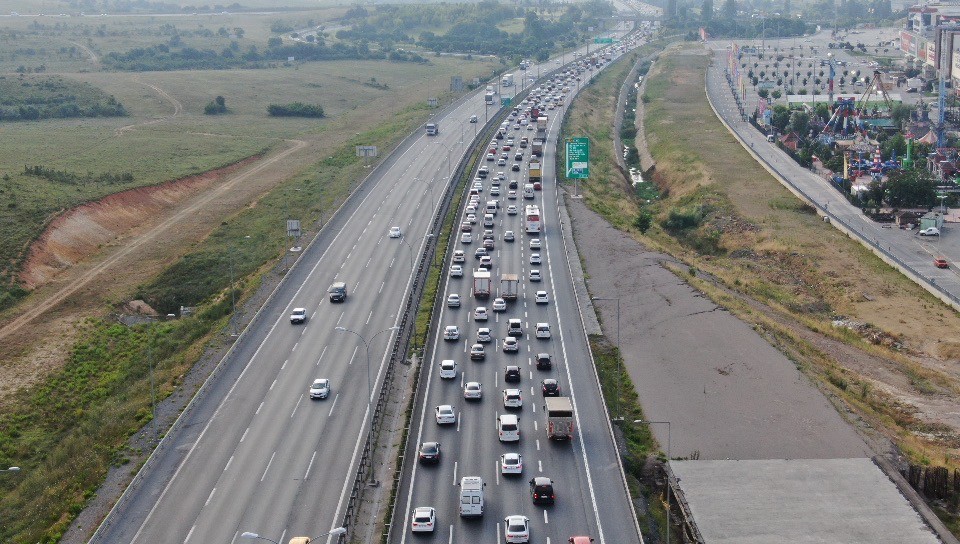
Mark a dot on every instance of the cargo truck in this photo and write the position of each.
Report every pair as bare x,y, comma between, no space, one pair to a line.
508,286
481,283
489,97
534,170
542,124
506,80
433,129
559,414
538,147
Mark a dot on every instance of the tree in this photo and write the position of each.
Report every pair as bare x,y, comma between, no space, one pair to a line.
800,123
274,42
706,12
238,32
217,106
900,114
910,188
781,115
729,9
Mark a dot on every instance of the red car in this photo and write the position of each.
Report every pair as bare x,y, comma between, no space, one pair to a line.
941,263
580,540
537,186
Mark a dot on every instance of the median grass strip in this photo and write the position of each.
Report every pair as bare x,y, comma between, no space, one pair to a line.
870,338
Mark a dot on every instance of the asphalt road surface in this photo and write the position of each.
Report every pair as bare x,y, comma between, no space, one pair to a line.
255,453
591,498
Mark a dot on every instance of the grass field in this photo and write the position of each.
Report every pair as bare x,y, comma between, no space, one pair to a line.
181,140
776,265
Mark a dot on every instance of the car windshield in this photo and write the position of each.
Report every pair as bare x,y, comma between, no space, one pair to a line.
516,527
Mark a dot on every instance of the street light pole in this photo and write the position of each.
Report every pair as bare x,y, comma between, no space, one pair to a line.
669,456
619,356
372,481
252,535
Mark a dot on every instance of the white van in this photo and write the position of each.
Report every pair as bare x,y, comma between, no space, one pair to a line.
508,427
488,220
492,206
528,190
471,496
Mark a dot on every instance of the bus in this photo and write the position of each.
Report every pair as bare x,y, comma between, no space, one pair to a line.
532,221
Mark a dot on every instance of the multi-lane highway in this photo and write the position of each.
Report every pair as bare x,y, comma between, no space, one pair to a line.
256,453
590,495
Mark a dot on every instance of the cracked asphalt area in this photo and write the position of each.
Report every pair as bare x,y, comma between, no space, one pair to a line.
726,391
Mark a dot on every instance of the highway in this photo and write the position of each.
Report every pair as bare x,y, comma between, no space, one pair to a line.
256,453
591,498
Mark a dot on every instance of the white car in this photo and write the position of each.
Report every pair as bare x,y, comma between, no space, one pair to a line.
298,315
472,218
512,194
480,314
395,232
512,398
486,261
511,344
534,258
448,369
453,301
456,271
508,236
459,256
517,528
543,330
930,231
473,391
483,335
320,389
535,275
511,463
424,519
542,297
511,210
466,238
445,414
452,332
499,305
534,243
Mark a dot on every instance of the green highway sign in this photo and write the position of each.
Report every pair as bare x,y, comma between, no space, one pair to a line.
505,101
603,40
578,158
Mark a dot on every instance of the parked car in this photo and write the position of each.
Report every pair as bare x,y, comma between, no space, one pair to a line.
930,231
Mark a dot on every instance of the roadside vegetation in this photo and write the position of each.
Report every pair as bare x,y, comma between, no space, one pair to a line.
870,338
30,98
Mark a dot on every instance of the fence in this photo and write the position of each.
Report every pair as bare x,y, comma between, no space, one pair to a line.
935,483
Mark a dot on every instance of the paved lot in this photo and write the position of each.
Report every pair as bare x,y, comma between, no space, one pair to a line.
727,393
798,501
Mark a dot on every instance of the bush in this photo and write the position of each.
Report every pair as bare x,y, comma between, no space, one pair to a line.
217,106
681,219
643,222
296,109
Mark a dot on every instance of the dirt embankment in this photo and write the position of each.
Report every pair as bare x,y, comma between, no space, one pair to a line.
81,232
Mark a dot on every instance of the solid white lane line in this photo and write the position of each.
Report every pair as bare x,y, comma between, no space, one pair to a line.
245,434
335,397
228,464
212,491
314,456
185,540
450,540
299,400
270,462
258,409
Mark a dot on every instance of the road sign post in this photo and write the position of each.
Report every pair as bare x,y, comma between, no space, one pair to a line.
578,161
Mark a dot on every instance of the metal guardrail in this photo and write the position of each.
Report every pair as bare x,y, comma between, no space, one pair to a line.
929,284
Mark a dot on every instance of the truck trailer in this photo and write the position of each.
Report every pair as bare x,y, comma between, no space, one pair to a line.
508,286
481,283
535,175
506,80
559,414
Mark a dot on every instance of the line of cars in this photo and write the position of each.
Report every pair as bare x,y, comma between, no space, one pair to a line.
479,225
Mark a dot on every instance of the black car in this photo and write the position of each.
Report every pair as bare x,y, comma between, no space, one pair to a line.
430,452
515,167
544,362
511,374
541,489
513,184
550,388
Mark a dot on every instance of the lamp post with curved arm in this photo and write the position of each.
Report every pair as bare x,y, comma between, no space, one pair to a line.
369,385
255,536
